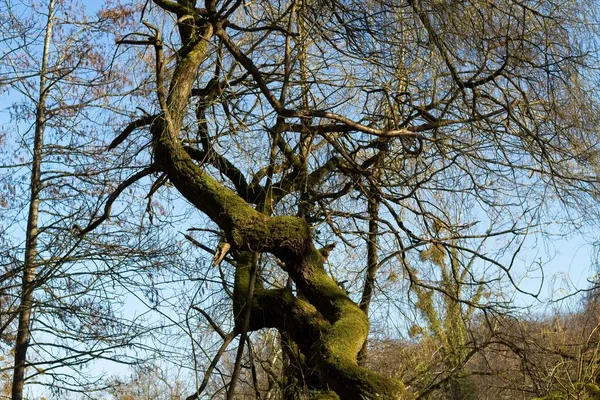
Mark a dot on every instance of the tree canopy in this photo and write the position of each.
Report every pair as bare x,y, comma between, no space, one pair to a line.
312,168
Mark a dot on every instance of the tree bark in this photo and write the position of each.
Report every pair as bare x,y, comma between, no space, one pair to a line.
29,267
372,262
328,327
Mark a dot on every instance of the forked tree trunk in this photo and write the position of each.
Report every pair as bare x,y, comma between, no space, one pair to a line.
327,325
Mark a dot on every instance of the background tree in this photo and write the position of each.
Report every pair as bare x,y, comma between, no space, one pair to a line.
66,311
149,383
32,231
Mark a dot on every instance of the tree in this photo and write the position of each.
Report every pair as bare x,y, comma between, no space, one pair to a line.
149,383
32,230
449,324
270,117
63,313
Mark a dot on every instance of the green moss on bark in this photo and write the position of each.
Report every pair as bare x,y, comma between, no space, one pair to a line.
329,328
326,396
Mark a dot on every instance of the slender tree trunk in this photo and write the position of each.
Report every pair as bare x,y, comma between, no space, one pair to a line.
29,268
265,209
372,262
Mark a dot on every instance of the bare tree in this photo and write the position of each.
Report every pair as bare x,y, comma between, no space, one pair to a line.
61,299
32,231
289,126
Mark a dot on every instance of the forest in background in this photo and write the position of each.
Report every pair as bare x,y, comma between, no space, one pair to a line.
297,199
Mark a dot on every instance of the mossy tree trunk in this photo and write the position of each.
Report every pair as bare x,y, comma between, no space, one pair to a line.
328,327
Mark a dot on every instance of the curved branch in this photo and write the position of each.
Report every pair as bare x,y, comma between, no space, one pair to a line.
113,197
303,114
132,126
